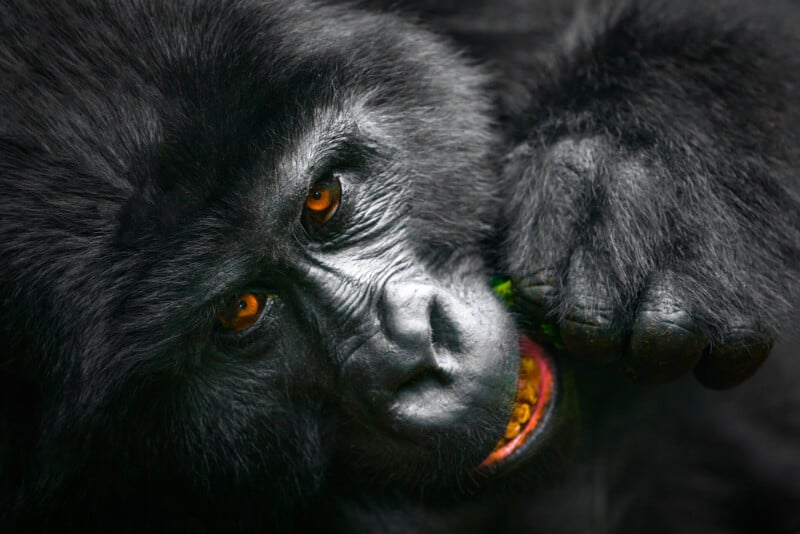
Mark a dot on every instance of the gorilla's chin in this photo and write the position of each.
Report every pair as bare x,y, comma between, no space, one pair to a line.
494,443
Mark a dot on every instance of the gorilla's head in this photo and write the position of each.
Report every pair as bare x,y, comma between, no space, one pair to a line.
246,255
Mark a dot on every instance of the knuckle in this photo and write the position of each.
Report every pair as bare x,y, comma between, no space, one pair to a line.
538,287
737,357
600,343
663,346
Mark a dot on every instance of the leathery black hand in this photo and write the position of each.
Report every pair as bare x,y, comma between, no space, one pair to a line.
639,260
661,344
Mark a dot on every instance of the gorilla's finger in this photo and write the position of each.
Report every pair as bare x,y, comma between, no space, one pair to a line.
533,295
728,363
588,331
665,341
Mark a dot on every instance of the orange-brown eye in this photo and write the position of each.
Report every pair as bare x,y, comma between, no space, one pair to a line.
243,312
323,200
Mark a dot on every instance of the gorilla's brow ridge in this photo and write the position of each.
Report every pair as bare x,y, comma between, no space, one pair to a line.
336,139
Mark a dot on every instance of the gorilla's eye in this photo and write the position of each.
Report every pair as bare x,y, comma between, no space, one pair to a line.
323,201
244,311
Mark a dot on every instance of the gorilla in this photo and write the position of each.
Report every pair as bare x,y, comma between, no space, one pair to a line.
399,266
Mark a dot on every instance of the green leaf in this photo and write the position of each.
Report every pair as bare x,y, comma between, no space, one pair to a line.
502,288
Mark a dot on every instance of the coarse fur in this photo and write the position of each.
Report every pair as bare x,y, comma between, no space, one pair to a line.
631,165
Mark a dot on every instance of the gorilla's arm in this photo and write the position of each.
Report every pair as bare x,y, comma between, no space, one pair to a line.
654,170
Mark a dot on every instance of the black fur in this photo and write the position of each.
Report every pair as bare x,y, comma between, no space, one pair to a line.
631,165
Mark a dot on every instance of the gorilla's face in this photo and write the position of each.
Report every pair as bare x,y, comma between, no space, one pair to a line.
267,261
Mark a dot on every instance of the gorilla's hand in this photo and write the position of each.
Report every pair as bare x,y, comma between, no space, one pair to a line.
632,262
656,211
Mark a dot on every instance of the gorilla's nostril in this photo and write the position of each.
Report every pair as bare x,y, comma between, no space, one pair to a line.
444,331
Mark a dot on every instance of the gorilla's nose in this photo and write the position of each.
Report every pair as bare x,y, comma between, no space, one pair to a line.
420,337
407,371
439,359
418,319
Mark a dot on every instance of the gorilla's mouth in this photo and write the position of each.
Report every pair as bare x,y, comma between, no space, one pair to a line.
535,392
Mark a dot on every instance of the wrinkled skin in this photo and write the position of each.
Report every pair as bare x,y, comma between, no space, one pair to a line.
631,170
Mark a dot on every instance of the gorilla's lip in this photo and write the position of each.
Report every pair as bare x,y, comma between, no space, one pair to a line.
530,414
